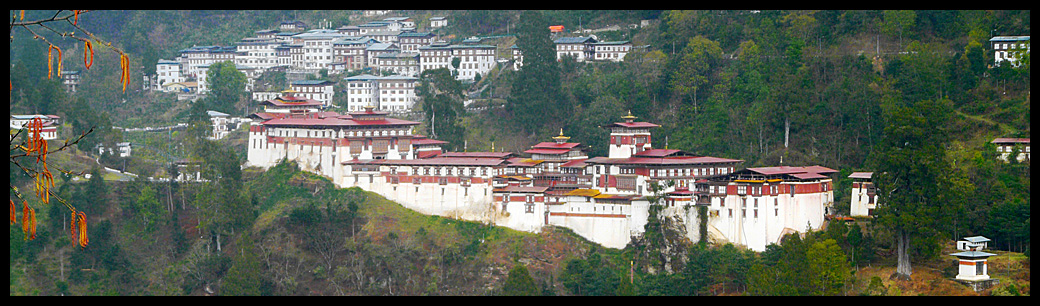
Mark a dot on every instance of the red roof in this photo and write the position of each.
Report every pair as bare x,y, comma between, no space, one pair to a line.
304,102
635,124
553,145
677,160
807,175
792,169
477,154
1011,140
427,141
442,161
426,154
547,151
577,163
334,121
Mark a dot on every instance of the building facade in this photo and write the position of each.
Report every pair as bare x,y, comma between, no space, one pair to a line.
393,93
864,196
1006,146
319,90
1009,49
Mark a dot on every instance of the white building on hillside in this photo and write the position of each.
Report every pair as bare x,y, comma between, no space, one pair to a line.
384,93
1009,48
167,72
864,195
320,90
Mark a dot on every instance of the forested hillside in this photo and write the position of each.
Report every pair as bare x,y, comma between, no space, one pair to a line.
829,87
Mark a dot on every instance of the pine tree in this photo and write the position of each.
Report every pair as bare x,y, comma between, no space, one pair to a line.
519,282
244,277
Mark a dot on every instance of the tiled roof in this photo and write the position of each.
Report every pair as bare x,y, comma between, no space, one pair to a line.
1011,140
861,175
635,124
553,145
477,154
547,151
679,160
441,161
574,40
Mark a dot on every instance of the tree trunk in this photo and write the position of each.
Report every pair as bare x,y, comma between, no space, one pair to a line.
903,269
787,131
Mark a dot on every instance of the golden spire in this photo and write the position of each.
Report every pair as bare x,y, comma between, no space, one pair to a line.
561,138
629,117
492,146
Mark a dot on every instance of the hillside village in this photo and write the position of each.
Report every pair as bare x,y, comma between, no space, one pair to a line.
603,199
349,114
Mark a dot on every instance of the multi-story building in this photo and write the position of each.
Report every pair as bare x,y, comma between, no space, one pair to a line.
322,141
317,48
434,57
378,48
588,49
518,57
374,26
756,207
292,26
349,30
401,23
411,41
257,52
474,60
1005,146
438,22
195,58
613,51
167,72
399,63
373,13
580,48
864,196
289,102
385,36
50,124
70,78
220,124
384,93
349,52
1009,48
319,90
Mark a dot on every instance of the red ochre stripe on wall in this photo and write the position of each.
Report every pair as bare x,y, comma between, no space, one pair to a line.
967,263
564,214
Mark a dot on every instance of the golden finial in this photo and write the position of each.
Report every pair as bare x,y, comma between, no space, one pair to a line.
629,117
561,138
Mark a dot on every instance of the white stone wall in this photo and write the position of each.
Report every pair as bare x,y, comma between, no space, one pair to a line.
775,214
860,203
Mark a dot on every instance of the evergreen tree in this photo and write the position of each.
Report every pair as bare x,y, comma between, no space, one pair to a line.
226,87
912,173
536,98
519,282
442,103
246,274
